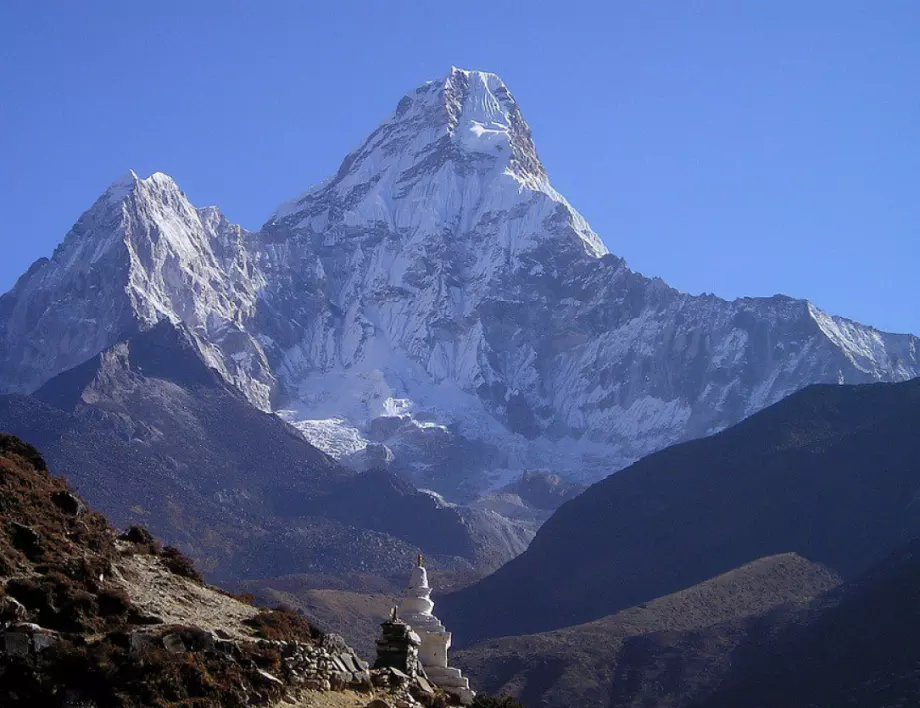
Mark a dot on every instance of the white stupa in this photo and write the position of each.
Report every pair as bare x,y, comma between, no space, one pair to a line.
415,610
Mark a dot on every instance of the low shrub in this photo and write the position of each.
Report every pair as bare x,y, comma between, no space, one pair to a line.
143,540
283,625
247,598
180,564
114,602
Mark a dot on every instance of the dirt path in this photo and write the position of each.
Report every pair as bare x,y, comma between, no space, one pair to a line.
177,600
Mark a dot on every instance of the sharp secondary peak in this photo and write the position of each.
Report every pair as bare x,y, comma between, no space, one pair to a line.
127,183
485,77
122,186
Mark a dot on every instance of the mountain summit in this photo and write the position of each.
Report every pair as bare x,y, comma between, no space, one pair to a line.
452,151
434,306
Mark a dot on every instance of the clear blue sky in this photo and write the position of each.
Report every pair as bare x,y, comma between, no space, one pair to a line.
741,147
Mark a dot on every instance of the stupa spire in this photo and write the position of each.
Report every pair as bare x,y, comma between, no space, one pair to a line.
416,610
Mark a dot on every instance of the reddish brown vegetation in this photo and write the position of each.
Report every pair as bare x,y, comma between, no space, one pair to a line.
180,564
143,540
283,624
36,530
247,598
111,672
56,554
56,561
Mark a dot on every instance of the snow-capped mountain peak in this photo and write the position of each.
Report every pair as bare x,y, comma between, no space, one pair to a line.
122,186
158,183
453,157
140,254
435,306
484,117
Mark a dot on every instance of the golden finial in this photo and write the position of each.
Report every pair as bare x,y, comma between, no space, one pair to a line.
393,614
420,559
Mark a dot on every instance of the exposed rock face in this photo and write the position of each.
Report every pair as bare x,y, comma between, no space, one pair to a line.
543,490
435,306
141,254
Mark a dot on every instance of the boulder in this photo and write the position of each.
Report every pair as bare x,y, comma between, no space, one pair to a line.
26,539
68,502
174,644
42,641
16,643
11,610
137,534
139,641
197,639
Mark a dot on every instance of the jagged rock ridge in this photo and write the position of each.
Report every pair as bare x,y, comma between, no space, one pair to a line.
435,306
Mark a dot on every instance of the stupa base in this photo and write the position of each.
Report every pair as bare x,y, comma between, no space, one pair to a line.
452,681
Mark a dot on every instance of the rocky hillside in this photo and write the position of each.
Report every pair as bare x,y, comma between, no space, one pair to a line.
90,618
150,434
435,306
831,473
660,653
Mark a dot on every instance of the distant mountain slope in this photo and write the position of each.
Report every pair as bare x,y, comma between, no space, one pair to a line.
773,634
150,434
596,664
856,648
435,306
831,473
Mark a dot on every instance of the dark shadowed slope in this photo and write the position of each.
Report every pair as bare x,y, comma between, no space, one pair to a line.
830,473
149,433
858,647
597,664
